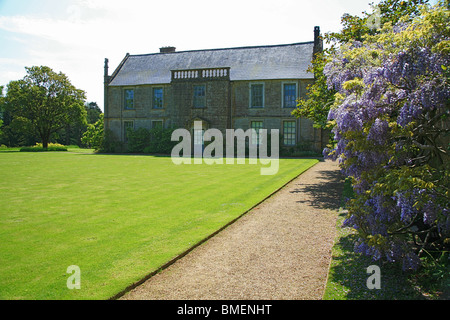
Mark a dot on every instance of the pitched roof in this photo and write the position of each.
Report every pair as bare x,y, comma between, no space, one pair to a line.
287,61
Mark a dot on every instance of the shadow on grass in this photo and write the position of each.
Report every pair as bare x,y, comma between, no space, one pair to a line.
325,193
347,279
161,155
125,154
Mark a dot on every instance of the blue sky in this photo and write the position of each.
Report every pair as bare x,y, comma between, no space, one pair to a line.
74,36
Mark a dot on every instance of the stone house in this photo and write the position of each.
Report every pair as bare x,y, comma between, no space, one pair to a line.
245,87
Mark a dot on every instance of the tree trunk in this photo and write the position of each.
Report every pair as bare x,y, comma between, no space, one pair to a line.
44,142
68,135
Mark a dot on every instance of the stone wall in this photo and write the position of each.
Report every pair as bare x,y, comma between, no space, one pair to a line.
227,106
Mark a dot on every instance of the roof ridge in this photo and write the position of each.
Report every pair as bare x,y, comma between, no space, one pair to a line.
231,48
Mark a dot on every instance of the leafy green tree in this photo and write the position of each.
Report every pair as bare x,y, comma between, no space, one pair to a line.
93,137
20,132
47,100
93,112
2,101
1,112
320,97
394,10
15,131
73,133
355,28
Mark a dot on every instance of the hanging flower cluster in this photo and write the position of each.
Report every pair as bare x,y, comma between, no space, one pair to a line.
391,124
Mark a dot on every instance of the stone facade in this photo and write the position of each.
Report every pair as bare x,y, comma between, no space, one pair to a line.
211,95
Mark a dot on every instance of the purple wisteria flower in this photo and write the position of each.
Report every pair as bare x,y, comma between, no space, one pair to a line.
384,133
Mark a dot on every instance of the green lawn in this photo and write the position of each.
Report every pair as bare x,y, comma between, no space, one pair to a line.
117,217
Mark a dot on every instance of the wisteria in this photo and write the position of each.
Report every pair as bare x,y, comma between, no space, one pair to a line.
391,131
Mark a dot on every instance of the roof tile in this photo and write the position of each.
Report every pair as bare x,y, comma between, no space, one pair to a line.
289,61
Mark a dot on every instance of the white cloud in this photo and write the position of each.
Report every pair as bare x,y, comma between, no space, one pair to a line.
77,40
73,47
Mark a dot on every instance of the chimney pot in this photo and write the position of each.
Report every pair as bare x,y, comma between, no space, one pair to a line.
316,34
106,67
318,42
167,49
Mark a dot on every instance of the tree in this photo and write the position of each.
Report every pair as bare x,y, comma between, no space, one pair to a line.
1,112
15,131
391,126
93,137
73,133
354,28
319,96
93,112
47,100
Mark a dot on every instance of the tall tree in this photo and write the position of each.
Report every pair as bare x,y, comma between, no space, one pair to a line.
356,28
72,133
320,97
1,111
46,100
93,136
93,112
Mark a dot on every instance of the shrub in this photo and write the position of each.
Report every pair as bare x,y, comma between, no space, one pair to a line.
38,148
94,134
138,140
141,140
160,141
110,143
301,149
391,127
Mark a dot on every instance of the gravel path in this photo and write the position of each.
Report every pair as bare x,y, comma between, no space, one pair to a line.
279,250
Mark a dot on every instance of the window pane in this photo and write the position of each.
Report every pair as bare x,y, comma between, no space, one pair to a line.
129,124
198,137
257,96
126,125
290,95
157,98
257,125
199,96
289,133
129,99
157,124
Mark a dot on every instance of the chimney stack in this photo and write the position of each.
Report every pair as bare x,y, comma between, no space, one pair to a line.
318,42
167,49
106,67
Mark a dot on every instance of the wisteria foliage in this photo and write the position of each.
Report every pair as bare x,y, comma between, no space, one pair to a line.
391,126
